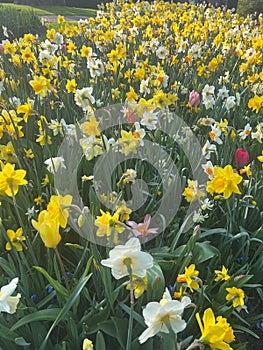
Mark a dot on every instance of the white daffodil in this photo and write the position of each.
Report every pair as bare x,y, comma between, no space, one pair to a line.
7,303
55,163
83,98
149,119
163,316
129,255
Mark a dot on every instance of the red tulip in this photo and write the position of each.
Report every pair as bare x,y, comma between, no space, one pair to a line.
241,157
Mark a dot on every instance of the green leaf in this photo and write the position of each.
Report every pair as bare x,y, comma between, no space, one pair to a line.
121,329
203,251
57,286
137,317
246,330
62,314
41,315
6,333
100,342
107,327
155,282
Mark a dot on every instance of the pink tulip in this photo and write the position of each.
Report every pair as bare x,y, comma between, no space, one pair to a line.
241,157
194,98
1,49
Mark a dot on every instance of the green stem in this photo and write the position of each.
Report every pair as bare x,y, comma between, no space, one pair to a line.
169,341
129,337
62,268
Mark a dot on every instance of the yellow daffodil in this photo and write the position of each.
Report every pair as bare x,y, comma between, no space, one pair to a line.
255,103
139,285
107,224
48,228
246,170
7,153
260,158
60,19
189,277
58,209
129,142
216,333
236,295
192,192
25,109
40,85
225,181
71,86
29,153
11,179
221,275
90,128
16,239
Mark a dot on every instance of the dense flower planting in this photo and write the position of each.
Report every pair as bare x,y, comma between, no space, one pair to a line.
186,86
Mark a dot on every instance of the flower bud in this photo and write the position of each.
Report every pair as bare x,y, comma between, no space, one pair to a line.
194,98
241,157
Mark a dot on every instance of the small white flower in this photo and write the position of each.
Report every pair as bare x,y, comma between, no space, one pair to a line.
31,212
5,31
223,93
58,38
215,134
149,119
96,68
45,57
83,98
246,132
56,127
167,313
198,217
208,92
162,52
13,100
230,102
209,103
208,149
51,48
7,303
209,169
53,164
207,204
2,88
91,146
126,255
258,135
206,121
144,87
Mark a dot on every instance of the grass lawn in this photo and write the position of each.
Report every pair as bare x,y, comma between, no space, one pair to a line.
56,10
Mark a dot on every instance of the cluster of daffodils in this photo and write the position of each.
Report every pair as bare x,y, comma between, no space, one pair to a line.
134,93
165,316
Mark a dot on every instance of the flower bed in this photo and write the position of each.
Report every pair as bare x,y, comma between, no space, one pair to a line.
131,180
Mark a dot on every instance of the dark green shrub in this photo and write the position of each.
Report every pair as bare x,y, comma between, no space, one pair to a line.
246,7
18,22
85,3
